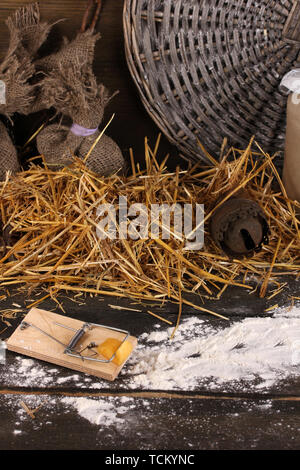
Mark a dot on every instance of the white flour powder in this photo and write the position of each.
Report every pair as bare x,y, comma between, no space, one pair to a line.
252,354
99,411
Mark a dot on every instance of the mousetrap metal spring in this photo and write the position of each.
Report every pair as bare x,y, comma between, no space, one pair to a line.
70,348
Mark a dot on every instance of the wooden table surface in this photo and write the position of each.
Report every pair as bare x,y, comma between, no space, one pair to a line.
201,419
150,419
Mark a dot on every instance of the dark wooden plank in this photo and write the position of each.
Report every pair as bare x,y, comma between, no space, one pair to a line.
149,424
100,311
235,302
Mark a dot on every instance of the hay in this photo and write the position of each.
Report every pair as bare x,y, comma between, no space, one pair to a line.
53,213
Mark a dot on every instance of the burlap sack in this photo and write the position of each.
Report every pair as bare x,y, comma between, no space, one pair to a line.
32,33
78,52
72,89
27,36
18,93
59,146
8,154
17,70
105,159
74,92
75,54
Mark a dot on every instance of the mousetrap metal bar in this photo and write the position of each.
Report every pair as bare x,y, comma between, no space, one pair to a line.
69,348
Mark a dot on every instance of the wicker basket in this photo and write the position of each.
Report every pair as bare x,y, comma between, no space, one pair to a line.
209,69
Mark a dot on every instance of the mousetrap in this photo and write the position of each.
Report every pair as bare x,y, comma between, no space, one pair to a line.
72,343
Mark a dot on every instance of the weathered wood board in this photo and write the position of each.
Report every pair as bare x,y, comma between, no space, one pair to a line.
32,342
149,424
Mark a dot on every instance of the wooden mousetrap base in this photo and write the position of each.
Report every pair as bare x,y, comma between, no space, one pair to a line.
34,343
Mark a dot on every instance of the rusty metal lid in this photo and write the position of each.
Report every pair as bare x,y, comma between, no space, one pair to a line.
239,227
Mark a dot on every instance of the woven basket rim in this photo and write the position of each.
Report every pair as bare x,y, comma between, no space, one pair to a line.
271,128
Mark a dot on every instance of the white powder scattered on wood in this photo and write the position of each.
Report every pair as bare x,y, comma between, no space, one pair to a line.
24,372
101,411
63,380
254,353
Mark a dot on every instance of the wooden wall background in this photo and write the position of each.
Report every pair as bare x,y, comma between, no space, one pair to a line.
131,123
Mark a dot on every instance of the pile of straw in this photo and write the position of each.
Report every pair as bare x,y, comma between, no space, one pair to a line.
53,215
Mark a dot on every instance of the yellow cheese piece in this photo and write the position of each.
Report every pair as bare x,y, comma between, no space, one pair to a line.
111,345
